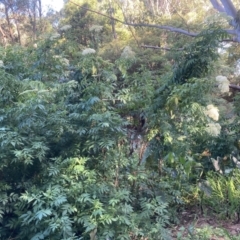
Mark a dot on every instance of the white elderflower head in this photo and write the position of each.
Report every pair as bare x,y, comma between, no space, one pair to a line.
223,84
128,53
96,28
54,36
224,88
1,63
65,27
212,112
213,129
64,61
88,51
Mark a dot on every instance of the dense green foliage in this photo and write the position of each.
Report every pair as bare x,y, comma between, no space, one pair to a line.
112,142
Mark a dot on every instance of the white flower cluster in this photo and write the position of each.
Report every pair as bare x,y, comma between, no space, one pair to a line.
128,53
63,61
212,112
1,63
54,36
213,129
88,51
96,28
223,84
65,27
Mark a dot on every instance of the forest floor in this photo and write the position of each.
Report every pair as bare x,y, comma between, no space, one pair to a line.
194,225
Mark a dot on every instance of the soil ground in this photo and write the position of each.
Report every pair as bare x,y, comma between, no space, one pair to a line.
193,219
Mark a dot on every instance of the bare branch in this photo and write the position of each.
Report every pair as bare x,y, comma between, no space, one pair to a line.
217,5
234,87
162,48
169,28
228,8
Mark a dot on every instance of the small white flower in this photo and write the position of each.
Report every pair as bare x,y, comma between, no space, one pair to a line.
224,88
88,51
65,27
35,45
223,84
54,36
221,78
128,53
212,112
213,129
64,61
96,28
1,63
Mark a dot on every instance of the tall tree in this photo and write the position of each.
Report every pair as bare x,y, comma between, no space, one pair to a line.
222,6
19,14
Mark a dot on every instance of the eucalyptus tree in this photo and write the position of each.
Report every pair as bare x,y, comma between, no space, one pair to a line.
224,7
22,17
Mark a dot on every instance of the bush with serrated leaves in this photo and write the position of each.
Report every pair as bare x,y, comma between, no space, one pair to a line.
65,170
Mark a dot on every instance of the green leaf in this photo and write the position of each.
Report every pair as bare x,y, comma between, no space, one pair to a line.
42,213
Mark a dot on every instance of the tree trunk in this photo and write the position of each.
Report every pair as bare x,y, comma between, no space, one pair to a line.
4,36
111,11
34,20
40,9
9,23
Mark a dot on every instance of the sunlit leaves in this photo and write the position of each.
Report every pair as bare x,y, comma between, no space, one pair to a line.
42,213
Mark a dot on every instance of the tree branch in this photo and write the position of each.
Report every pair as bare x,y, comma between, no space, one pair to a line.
162,48
234,87
169,28
217,5
228,8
